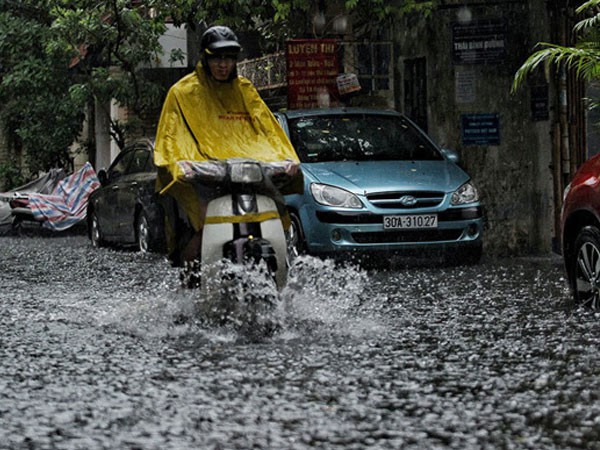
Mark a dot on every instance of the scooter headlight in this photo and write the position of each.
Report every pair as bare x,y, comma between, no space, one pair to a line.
246,172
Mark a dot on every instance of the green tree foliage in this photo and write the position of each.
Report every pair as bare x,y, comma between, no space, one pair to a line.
277,20
110,42
36,109
583,57
58,55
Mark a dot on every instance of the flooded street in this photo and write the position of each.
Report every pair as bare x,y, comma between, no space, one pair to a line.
101,349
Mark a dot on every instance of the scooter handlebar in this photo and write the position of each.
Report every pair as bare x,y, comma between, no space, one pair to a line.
218,171
203,171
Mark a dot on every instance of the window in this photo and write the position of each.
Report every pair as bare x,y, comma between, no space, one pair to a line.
139,161
119,166
371,62
360,138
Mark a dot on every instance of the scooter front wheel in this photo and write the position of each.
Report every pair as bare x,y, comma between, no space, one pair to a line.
248,299
190,275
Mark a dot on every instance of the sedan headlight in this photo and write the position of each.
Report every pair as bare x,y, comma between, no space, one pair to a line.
467,193
334,196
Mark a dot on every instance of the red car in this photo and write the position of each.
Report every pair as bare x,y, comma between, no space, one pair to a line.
580,220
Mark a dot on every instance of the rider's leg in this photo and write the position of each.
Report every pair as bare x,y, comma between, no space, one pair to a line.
193,248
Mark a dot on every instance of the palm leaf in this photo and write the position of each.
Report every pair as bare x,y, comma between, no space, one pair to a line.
585,61
585,24
587,5
584,57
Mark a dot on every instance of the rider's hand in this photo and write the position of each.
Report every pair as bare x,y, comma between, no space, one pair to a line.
291,168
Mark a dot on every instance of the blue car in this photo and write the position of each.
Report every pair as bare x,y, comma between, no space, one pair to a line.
375,183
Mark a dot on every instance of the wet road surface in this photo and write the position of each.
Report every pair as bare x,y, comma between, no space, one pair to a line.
102,349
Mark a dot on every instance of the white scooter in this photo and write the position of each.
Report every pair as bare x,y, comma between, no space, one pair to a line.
242,228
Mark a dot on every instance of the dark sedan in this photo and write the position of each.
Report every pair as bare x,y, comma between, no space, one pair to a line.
125,209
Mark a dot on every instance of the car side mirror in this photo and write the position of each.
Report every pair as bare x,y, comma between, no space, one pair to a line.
451,155
102,177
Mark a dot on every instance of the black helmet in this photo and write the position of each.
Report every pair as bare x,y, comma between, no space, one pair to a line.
219,39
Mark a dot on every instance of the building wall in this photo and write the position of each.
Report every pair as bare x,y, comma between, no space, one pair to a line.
512,175
3,155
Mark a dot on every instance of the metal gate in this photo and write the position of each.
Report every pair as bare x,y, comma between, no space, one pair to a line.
372,62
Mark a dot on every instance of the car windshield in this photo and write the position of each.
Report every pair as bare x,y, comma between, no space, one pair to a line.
367,137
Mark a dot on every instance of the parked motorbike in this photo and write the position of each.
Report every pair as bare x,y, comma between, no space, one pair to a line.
243,258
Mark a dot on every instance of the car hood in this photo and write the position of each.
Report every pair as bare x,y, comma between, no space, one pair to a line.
362,177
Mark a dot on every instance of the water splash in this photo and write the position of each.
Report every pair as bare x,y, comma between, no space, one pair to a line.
320,298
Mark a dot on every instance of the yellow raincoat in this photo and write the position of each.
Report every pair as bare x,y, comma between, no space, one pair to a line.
204,119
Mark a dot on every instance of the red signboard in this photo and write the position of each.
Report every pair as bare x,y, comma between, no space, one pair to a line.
312,68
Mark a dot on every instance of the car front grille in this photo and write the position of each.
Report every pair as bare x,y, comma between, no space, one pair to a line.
468,213
393,200
406,236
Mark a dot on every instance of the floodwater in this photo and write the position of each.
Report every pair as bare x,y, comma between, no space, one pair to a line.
102,349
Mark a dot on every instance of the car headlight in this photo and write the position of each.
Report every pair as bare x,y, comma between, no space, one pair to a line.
334,196
467,193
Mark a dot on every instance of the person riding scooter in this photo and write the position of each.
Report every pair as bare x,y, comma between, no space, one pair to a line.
212,114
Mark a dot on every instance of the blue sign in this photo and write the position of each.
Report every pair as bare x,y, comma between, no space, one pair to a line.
480,129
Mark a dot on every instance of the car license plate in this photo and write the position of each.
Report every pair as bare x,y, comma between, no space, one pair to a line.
410,221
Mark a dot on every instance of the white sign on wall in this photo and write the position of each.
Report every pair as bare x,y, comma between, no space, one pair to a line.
464,86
